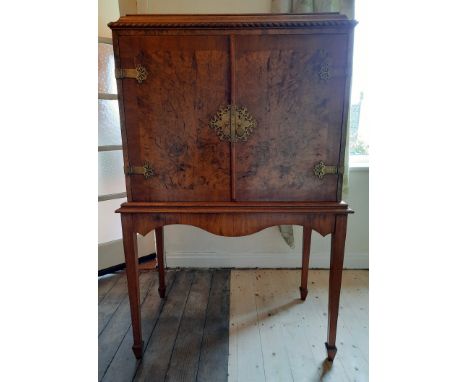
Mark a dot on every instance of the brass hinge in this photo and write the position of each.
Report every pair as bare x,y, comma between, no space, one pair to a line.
139,73
146,170
320,170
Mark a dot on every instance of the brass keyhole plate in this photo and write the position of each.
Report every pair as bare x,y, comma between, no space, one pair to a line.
233,123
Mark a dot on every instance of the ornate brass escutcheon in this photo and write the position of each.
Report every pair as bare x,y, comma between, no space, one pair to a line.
139,73
233,123
146,170
320,170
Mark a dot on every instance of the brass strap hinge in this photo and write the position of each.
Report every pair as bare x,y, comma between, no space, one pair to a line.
139,73
320,170
146,170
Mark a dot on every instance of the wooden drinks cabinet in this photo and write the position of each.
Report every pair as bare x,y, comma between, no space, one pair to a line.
234,123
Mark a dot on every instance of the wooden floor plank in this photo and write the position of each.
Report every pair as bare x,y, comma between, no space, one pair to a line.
106,283
111,302
295,329
213,365
114,332
233,317
186,353
355,307
157,355
244,326
269,308
124,364
287,314
306,319
349,355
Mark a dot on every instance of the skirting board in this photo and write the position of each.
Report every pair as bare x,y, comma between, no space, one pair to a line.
259,260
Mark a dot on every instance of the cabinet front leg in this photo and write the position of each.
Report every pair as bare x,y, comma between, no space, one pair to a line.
160,253
306,238
336,269
133,282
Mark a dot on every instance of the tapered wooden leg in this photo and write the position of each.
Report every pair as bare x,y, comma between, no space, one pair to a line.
160,252
306,238
336,268
131,265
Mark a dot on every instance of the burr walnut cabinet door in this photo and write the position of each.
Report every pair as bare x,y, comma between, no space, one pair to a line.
167,116
294,86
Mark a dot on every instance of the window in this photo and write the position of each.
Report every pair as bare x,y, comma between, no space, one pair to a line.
111,182
358,126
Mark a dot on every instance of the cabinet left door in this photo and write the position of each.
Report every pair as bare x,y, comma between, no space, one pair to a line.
166,117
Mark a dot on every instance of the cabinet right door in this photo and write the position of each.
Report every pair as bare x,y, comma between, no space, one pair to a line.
294,86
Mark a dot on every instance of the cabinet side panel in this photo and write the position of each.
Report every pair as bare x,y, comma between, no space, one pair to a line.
346,112
115,42
168,114
293,85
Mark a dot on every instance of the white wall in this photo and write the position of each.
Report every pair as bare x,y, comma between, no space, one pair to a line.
108,10
204,6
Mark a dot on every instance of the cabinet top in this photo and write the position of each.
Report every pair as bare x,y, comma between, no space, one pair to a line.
233,21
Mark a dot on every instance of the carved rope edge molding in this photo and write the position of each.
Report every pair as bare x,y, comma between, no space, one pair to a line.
236,24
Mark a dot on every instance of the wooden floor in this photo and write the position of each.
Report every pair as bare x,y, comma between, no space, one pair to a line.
240,325
274,336
185,335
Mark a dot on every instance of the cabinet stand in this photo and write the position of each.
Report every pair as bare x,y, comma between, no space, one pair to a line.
235,219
